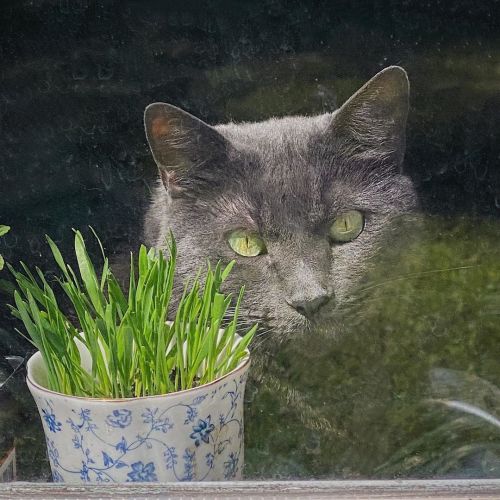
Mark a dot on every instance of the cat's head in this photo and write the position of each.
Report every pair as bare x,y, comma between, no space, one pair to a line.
301,203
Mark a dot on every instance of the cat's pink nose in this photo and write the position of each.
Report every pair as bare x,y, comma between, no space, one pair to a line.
306,306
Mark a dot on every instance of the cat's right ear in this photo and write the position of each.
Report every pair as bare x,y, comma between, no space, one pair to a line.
183,146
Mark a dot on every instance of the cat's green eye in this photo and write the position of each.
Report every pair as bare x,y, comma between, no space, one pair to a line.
246,243
347,226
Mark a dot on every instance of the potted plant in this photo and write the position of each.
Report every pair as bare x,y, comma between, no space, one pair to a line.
123,394
3,230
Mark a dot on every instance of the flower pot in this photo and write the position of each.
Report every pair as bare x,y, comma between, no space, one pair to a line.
192,435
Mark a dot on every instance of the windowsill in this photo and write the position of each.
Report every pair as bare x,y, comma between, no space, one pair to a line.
408,489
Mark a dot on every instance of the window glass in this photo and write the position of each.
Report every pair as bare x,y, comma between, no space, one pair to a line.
377,295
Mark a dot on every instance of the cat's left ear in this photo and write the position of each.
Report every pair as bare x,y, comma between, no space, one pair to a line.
371,125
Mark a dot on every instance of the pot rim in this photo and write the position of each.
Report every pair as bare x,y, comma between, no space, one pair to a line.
244,364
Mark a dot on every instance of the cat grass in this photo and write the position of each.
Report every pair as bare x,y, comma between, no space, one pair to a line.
134,350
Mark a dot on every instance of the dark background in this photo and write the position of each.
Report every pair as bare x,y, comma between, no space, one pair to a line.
76,75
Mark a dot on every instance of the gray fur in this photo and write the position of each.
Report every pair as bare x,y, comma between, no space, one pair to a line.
287,179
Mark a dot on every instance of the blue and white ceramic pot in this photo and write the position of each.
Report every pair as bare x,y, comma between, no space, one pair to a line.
193,435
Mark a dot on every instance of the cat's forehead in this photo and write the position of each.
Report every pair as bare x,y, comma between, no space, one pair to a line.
279,156
271,136
279,178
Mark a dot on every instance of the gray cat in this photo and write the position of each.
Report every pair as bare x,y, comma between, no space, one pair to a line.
301,203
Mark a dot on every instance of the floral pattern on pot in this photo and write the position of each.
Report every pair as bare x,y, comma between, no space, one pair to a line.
191,436
120,418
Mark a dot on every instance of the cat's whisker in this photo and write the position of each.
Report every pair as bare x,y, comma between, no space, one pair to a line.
258,343
416,275
263,332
